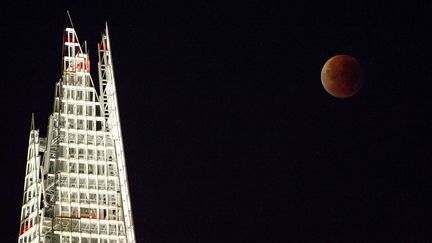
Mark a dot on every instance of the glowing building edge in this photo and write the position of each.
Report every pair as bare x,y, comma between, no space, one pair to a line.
76,188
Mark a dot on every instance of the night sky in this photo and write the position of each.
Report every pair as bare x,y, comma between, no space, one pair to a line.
229,134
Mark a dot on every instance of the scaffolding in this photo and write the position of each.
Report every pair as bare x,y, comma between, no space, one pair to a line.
76,187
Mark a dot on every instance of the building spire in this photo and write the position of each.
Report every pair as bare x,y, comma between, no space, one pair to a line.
32,124
48,158
106,27
108,44
110,110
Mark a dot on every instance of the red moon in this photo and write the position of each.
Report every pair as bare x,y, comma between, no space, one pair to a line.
342,76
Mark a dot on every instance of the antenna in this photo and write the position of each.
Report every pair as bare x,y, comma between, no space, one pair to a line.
70,19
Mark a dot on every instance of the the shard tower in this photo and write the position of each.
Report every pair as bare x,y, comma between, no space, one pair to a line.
76,187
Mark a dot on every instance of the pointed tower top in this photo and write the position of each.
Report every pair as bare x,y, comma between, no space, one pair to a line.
106,37
32,125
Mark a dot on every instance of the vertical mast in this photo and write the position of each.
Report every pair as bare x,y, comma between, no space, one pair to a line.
110,109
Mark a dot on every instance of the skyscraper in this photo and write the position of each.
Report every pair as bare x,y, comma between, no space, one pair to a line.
76,187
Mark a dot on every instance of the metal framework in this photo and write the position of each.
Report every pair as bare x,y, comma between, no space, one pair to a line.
76,188
112,116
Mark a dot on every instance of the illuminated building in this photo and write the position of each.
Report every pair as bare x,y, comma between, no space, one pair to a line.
76,188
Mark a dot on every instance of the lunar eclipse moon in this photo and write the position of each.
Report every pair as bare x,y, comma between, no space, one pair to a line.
342,76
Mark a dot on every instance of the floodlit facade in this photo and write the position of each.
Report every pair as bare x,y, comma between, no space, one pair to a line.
76,187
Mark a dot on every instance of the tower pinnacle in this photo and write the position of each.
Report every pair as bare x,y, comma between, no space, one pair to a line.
76,187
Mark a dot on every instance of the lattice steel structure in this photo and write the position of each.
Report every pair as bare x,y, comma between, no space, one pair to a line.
76,187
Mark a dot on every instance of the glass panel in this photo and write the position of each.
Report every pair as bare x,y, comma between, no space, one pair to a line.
70,109
89,110
73,168
80,110
79,93
72,152
90,139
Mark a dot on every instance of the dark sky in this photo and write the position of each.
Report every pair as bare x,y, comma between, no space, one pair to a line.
229,135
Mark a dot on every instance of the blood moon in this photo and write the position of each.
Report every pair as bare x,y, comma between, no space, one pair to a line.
342,76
